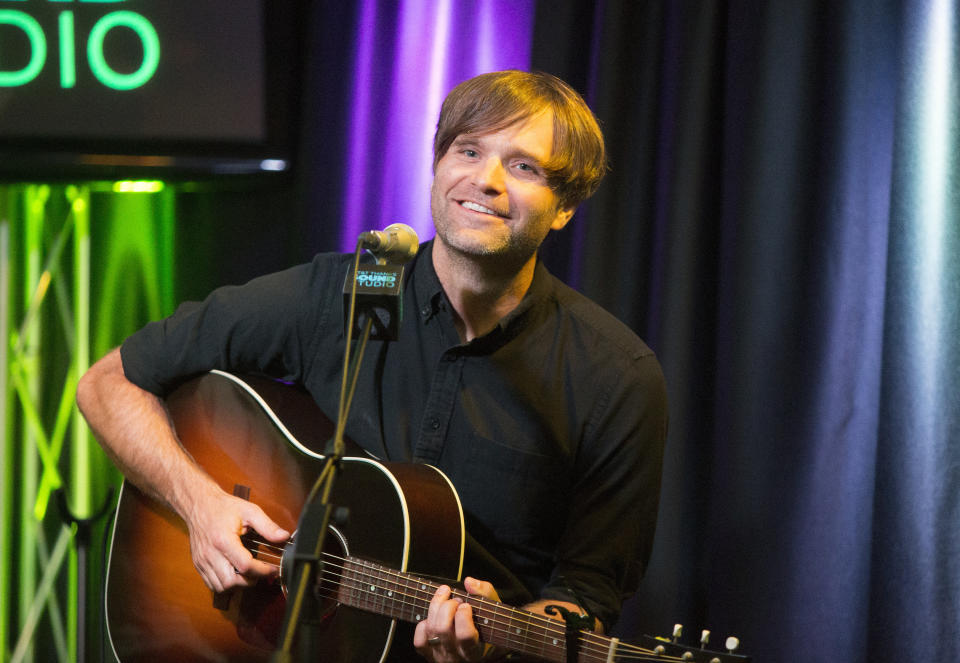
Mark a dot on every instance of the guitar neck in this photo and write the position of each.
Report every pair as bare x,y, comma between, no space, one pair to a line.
378,589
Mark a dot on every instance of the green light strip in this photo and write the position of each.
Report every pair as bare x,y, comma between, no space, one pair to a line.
6,436
82,478
35,200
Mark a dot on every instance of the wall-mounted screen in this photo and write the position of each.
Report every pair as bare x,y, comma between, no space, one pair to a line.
185,84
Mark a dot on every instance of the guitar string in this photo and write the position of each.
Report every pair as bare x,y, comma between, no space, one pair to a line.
549,625
352,580
596,644
591,646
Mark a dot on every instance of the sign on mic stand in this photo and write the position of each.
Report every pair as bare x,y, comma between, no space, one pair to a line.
373,296
379,300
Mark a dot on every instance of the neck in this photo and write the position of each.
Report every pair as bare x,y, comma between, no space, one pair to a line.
482,290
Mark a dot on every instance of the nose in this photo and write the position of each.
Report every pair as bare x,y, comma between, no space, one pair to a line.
490,175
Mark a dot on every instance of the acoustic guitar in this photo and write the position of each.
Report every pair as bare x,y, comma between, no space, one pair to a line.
259,439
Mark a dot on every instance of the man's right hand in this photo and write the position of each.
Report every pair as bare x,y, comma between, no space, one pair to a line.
216,521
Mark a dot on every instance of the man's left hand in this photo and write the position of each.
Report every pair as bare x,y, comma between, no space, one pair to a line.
448,633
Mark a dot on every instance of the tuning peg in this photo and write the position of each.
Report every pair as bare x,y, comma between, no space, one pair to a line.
704,639
677,631
732,644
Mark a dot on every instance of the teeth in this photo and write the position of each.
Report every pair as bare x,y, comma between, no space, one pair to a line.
478,208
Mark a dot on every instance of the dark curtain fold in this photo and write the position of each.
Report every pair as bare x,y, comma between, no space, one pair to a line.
763,227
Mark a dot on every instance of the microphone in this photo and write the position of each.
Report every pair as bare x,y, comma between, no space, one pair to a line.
379,288
396,244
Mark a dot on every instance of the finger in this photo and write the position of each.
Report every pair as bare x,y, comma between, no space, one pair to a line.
223,572
480,588
210,580
440,613
206,562
219,570
467,636
216,577
254,518
229,546
420,636
259,521
244,564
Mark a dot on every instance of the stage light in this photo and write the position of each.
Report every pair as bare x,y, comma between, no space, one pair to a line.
138,186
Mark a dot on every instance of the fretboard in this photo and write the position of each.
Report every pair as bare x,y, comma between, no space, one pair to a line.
378,589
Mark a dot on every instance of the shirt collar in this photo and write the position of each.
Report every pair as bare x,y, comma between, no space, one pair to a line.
430,295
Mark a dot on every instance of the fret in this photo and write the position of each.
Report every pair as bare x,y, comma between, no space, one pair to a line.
388,592
422,593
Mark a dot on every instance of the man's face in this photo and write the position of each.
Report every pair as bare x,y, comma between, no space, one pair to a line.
490,195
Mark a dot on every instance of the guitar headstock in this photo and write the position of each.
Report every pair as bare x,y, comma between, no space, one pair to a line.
698,654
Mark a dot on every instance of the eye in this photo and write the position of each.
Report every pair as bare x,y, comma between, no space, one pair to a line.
467,152
528,170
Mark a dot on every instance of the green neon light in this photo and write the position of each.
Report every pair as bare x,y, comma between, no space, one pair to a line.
138,186
80,476
68,58
151,50
38,48
6,432
35,204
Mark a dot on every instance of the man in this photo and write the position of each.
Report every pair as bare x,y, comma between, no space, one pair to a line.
547,414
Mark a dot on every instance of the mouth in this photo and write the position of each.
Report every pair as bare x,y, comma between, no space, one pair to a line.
477,207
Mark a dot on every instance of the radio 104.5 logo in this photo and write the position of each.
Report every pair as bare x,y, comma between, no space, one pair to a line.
120,47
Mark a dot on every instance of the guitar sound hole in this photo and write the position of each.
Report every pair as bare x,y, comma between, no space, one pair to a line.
335,553
263,606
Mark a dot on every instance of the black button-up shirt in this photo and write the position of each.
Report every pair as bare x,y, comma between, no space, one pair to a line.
551,426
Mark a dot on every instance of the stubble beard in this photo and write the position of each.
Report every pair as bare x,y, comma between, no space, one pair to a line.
507,250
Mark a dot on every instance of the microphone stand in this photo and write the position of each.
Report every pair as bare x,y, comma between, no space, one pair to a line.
315,519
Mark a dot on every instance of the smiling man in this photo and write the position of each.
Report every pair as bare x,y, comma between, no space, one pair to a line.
547,414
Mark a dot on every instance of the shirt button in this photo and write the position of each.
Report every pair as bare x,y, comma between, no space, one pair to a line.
425,311
434,423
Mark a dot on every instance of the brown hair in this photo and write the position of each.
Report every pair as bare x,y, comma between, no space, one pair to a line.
494,101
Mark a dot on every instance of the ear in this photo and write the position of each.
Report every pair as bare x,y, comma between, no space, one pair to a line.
562,218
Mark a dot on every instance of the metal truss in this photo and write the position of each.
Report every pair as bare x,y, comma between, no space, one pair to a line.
51,471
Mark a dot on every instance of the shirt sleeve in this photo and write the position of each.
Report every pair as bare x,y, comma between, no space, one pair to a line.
608,538
270,326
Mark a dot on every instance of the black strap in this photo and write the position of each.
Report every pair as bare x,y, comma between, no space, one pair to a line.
575,623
